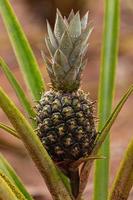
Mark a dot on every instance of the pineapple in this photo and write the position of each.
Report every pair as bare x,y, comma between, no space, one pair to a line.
64,118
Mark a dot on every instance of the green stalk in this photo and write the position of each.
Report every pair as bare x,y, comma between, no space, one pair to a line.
106,91
124,178
34,146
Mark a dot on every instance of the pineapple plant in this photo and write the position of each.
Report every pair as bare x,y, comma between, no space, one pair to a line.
66,125
65,120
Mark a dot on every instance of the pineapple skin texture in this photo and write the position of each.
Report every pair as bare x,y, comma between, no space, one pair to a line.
64,118
66,125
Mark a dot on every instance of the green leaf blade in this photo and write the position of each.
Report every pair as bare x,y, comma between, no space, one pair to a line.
106,128
5,191
106,91
18,90
9,130
123,181
6,169
8,190
22,49
103,133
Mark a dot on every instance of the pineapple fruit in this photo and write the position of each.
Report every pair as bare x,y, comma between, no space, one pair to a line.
64,118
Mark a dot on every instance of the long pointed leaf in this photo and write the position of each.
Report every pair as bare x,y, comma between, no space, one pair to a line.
9,130
22,49
35,148
8,191
60,26
106,91
124,178
74,28
5,191
102,136
84,21
103,132
17,88
10,173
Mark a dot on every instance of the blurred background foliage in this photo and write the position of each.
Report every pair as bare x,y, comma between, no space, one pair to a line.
32,15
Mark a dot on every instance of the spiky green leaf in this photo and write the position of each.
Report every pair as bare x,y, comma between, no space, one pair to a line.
71,15
61,60
47,62
50,47
71,76
85,35
59,73
75,53
66,45
84,21
60,26
51,36
74,28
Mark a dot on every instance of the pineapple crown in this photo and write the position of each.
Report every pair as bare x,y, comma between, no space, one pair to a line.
67,46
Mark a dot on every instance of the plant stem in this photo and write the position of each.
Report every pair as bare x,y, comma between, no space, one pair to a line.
124,178
74,180
106,91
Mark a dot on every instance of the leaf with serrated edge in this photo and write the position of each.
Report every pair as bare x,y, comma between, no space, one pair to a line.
84,21
60,26
50,47
85,49
86,34
81,68
66,45
59,73
83,65
61,59
74,28
71,15
80,45
71,76
49,68
78,62
65,20
76,52
51,36
47,61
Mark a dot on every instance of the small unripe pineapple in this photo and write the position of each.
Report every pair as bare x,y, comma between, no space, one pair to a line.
65,113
